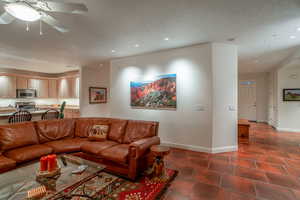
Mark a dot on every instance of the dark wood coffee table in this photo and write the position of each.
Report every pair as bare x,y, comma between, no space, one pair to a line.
15,184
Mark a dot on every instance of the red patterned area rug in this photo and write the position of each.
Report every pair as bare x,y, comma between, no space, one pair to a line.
104,186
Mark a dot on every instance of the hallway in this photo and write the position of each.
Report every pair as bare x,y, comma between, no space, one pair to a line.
266,169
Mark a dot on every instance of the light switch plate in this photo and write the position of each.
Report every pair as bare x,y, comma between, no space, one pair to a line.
199,107
231,108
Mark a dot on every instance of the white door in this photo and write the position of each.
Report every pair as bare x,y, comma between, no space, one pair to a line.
247,100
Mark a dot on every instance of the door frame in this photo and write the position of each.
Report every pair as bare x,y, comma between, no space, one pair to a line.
249,80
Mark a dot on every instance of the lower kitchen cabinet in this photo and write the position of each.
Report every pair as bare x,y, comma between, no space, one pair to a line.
72,113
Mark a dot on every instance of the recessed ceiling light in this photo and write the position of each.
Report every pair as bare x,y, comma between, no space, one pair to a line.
167,39
292,37
113,51
137,45
298,29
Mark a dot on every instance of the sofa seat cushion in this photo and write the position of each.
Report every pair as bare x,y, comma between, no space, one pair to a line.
28,153
6,164
67,145
118,153
96,147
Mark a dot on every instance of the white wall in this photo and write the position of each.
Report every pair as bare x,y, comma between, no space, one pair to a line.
272,99
94,76
198,90
262,90
225,75
186,125
288,112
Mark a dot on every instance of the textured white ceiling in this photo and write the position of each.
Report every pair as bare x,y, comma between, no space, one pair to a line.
120,24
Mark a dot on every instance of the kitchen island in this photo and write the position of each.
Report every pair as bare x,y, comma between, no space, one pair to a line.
70,112
36,115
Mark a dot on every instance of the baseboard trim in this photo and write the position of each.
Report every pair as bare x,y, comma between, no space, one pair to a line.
200,148
224,149
288,130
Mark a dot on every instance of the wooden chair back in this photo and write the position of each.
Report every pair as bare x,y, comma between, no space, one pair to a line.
20,116
50,114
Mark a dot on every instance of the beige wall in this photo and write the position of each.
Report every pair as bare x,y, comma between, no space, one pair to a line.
94,76
224,79
206,116
206,88
262,93
288,112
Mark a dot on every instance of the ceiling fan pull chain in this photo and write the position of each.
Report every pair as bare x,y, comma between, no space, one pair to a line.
41,29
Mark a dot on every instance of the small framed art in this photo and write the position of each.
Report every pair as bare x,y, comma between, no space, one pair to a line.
97,95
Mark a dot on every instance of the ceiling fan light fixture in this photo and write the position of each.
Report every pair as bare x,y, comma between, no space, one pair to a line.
22,11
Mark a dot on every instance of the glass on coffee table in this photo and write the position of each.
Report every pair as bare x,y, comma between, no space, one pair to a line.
15,184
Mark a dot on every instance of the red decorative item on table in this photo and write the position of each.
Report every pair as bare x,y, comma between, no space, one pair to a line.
43,164
52,163
48,163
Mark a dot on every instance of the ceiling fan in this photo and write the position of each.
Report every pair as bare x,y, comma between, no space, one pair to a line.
34,10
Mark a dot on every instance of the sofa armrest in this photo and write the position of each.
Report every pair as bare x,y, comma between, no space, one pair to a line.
138,148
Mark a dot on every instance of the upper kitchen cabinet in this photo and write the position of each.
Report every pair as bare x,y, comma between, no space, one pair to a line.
53,90
22,83
8,86
41,86
68,87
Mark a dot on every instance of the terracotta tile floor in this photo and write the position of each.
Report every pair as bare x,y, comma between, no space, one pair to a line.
268,168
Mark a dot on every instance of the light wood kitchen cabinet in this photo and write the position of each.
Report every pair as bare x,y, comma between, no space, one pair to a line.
8,86
22,83
72,113
53,88
68,88
41,86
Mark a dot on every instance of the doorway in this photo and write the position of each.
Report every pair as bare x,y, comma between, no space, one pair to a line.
247,100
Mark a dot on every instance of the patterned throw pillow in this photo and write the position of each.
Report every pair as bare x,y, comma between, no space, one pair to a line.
98,132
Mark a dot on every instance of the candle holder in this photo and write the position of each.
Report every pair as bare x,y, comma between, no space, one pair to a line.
48,167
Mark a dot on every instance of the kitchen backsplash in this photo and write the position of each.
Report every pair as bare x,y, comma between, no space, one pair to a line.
7,102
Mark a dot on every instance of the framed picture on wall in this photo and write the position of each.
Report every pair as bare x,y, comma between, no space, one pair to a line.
291,94
97,95
159,93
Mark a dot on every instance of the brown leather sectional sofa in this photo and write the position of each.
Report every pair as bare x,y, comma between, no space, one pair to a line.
125,152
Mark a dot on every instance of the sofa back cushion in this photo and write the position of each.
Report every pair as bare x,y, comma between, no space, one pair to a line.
116,127
50,130
137,130
17,135
117,130
84,125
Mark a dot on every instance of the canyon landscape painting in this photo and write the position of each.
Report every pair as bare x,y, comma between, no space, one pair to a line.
159,93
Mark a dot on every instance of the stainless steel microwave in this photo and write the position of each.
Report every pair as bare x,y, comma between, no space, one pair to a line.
26,93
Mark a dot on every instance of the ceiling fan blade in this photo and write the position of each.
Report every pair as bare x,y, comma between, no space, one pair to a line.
75,8
8,1
54,23
6,18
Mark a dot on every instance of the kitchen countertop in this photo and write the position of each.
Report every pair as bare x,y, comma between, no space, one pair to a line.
8,111
32,112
